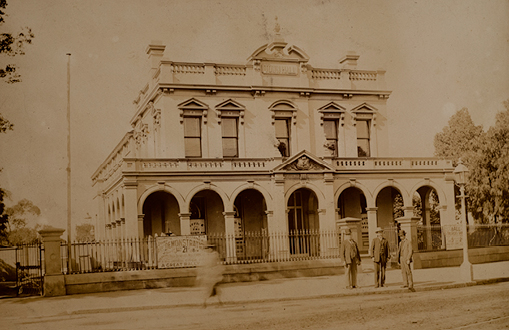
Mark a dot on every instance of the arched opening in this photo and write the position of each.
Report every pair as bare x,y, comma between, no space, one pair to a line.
250,225
206,210
427,207
352,204
389,204
302,209
161,211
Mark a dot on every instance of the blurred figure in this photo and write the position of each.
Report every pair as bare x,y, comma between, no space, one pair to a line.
380,255
210,274
351,257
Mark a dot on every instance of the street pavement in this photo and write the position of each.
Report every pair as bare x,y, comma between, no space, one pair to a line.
246,292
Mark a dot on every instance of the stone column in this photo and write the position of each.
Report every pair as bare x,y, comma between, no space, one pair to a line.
185,223
132,229
354,224
54,282
372,223
409,225
140,225
231,246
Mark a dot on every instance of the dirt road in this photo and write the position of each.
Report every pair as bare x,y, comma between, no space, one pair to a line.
476,307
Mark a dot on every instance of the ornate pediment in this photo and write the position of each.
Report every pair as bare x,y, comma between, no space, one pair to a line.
303,161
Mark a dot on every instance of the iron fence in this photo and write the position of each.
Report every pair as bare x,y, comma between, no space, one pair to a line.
483,235
430,238
153,252
109,255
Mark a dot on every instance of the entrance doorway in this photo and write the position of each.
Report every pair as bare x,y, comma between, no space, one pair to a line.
303,224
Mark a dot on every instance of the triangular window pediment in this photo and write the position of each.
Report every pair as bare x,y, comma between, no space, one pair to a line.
364,108
331,107
303,161
230,105
193,104
193,108
230,108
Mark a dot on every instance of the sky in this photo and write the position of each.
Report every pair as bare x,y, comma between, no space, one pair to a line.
440,56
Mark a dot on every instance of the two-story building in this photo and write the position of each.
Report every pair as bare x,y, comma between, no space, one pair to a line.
274,145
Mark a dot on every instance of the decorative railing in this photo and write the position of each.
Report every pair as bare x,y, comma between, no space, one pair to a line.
166,251
230,70
390,163
325,74
188,68
363,75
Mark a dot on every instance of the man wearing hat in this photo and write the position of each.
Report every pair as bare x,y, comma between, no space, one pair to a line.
405,253
351,257
380,255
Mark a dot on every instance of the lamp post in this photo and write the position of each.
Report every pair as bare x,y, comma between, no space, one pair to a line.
460,176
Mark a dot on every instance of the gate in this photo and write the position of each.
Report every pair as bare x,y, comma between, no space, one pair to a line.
29,272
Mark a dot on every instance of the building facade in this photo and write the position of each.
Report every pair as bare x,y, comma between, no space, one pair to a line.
273,145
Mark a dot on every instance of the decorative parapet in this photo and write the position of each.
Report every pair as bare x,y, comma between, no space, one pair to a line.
363,75
325,74
230,70
188,68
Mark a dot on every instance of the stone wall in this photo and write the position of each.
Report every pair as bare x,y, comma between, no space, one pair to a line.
435,259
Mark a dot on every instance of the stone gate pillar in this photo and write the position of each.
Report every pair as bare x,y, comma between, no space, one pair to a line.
54,282
354,224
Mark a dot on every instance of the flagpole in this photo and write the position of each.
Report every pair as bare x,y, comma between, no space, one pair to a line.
69,163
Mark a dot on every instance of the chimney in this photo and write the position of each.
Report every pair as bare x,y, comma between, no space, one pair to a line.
155,51
349,61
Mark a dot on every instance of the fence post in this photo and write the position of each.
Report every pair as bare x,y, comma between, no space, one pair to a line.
54,283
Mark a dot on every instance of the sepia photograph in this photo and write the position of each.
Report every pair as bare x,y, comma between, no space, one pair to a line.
254,164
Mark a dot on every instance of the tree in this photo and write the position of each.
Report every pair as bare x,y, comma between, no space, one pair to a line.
12,45
4,218
85,232
460,139
488,186
18,226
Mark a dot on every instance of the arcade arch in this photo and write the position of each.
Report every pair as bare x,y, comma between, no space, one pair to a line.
161,214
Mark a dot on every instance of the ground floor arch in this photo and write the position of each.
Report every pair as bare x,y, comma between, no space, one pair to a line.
250,222
302,216
206,210
161,214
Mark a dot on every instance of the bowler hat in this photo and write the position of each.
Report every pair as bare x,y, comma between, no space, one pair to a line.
379,230
347,231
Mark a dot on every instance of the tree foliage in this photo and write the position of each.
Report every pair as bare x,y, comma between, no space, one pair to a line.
19,230
85,232
460,139
488,186
487,157
12,45
4,218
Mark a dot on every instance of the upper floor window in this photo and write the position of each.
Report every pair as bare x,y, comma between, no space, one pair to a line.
363,138
283,135
283,117
330,127
230,114
192,114
332,116
192,136
229,127
364,118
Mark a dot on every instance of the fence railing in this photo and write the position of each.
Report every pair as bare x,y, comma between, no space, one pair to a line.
430,238
174,252
109,255
488,235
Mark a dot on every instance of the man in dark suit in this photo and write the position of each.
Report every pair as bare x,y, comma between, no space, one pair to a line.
405,253
380,255
351,257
